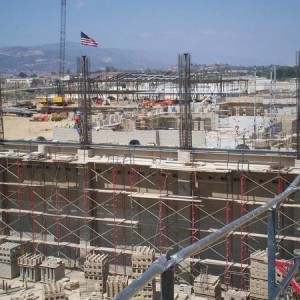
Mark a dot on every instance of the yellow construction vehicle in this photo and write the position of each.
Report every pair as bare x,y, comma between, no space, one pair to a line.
45,101
56,117
57,100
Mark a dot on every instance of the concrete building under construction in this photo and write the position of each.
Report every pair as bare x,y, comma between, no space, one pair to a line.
110,210
63,201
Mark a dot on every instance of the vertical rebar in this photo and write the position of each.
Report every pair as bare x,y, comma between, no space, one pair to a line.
85,130
62,49
254,107
298,102
185,127
1,113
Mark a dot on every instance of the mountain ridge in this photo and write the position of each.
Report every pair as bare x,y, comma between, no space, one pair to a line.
45,58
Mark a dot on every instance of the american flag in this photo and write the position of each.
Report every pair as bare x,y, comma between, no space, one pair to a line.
86,40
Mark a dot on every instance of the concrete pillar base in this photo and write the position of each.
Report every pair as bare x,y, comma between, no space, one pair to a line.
83,154
184,156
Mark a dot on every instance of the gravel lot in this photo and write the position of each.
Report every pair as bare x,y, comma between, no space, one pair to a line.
22,128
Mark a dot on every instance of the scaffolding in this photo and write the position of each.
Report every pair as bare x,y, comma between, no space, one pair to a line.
162,85
1,113
69,202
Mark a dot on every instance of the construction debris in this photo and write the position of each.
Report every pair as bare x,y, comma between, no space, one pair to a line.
25,295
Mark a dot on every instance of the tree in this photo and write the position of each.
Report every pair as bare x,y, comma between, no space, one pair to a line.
23,75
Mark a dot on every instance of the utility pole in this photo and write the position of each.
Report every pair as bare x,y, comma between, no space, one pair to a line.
272,102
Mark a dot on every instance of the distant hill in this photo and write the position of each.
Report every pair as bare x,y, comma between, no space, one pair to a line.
45,58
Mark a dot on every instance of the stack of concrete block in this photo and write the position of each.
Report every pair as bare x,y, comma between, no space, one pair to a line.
115,284
25,295
52,269
259,275
54,291
142,259
83,292
90,291
9,254
30,266
208,286
181,296
72,285
236,295
183,291
96,268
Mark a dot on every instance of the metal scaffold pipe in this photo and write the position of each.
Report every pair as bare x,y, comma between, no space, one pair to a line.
162,264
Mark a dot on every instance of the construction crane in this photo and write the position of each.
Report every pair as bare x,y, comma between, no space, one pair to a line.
62,39
62,50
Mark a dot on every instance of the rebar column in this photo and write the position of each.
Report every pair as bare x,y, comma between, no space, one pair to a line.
85,109
185,123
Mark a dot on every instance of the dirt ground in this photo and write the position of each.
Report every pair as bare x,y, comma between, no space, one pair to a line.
22,128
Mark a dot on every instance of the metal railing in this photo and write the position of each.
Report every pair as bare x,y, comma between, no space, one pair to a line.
162,264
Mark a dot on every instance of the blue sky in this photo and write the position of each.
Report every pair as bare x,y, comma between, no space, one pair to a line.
242,32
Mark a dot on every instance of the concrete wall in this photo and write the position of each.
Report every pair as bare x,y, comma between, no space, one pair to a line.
78,203
167,138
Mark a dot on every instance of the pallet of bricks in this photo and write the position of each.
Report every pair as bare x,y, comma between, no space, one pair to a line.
183,292
115,284
54,291
142,259
208,287
259,275
96,269
89,291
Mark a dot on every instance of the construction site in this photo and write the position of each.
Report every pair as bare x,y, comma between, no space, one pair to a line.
159,185
87,213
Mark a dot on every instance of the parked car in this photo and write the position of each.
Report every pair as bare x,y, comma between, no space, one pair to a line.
134,143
